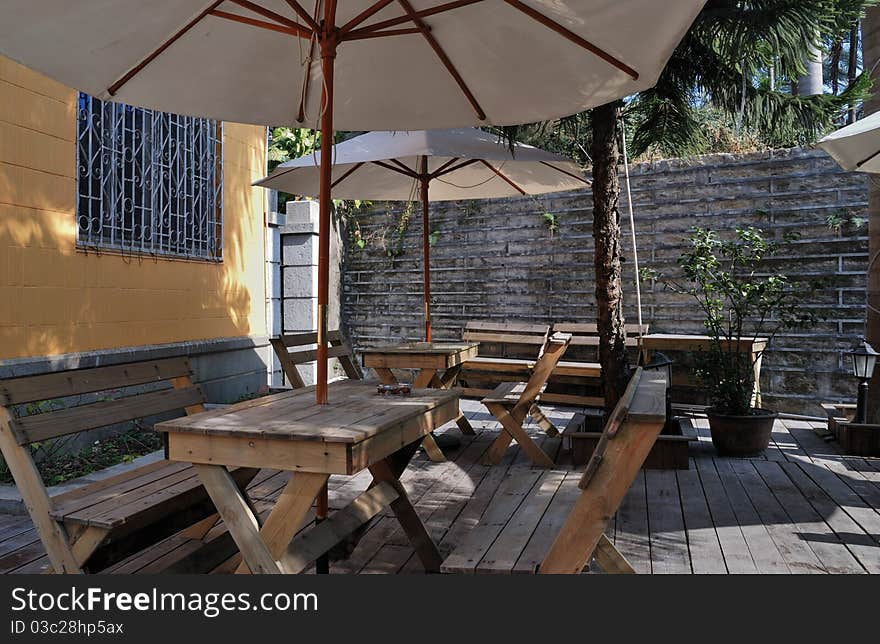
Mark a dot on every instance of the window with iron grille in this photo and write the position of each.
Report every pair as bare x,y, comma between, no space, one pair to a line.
148,182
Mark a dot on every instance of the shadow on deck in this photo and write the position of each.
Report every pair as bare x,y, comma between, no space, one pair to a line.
800,508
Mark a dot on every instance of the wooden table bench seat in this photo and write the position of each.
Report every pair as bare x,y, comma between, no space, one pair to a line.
553,521
91,527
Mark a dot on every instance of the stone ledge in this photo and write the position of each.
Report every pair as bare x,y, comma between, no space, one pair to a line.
103,357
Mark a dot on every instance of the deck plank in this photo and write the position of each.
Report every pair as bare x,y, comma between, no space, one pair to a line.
669,551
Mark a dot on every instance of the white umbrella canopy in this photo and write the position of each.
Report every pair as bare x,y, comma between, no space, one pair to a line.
856,147
462,164
438,165
509,61
350,64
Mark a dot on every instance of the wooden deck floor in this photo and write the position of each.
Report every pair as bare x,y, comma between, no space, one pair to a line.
802,508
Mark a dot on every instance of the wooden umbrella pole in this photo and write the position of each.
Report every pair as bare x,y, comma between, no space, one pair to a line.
329,41
426,244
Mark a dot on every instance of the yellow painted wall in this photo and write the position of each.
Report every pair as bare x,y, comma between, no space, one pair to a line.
57,299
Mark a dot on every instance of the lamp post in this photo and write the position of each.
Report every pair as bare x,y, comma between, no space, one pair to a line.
662,363
863,360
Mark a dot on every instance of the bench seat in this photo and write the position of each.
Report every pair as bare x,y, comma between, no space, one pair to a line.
136,497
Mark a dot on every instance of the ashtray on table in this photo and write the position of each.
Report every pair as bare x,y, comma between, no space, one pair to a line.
400,389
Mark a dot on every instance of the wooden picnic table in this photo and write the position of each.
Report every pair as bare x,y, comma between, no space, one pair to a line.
356,430
692,343
438,365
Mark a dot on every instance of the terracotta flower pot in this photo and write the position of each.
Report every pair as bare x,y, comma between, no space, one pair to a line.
741,435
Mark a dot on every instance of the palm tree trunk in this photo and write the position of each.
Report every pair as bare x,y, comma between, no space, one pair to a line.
810,84
606,235
870,54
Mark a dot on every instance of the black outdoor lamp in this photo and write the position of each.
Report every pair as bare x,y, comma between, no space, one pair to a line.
863,360
662,363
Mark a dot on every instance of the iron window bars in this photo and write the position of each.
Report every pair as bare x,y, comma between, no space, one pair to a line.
148,182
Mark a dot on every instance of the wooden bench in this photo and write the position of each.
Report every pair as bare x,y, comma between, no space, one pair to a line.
92,527
295,349
554,521
508,352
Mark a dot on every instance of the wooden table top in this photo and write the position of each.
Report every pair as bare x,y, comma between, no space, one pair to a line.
423,348
419,355
354,414
687,342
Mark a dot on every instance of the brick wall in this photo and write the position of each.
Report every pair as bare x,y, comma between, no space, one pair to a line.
498,259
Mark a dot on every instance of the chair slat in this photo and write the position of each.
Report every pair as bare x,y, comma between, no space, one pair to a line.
310,337
39,427
310,355
73,382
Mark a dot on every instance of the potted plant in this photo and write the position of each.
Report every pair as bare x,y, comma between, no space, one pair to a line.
742,300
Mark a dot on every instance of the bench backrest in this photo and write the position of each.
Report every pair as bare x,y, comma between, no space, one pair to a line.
507,339
301,348
585,338
30,422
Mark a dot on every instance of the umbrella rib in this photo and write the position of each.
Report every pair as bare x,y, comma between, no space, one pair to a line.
302,13
388,166
271,26
387,32
440,170
403,166
364,15
573,37
461,165
426,34
271,15
347,174
566,172
869,159
502,176
146,61
424,13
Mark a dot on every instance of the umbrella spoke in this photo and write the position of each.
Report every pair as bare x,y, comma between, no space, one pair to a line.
440,170
406,171
364,15
393,22
566,172
426,33
146,61
271,15
302,13
502,176
387,32
573,37
345,176
461,165
271,26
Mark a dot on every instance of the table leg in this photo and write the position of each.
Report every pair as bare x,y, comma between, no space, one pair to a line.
238,517
385,472
289,513
423,378
386,376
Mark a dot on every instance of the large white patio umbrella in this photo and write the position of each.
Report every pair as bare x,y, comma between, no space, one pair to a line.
400,64
856,147
450,164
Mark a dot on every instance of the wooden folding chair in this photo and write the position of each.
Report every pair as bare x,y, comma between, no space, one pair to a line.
289,359
511,402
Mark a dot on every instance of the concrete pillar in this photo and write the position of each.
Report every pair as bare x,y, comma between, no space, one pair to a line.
299,275
274,328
